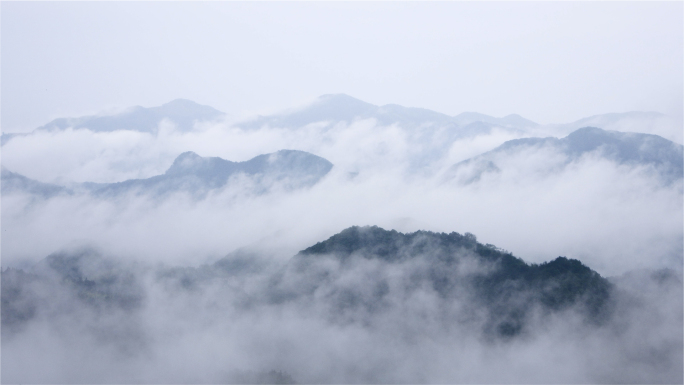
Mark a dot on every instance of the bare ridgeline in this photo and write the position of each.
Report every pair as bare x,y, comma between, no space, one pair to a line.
365,305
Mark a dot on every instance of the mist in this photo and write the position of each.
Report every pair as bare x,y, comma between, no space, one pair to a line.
176,326
504,203
605,214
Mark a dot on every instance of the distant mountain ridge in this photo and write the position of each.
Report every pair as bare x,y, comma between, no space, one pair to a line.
13,182
181,112
184,113
335,108
624,148
344,108
197,175
191,173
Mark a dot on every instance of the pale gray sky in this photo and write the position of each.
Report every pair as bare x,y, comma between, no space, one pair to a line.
551,62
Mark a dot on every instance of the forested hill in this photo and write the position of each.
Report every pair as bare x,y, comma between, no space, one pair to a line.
457,266
362,275
390,245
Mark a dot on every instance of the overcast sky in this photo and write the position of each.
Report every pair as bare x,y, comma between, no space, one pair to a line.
550,62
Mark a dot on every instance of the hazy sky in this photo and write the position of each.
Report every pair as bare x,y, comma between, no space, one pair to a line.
550,62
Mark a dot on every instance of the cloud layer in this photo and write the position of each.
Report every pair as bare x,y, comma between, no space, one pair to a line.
621,220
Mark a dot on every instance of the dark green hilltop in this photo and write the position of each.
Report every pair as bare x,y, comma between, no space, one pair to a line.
505,285
478,284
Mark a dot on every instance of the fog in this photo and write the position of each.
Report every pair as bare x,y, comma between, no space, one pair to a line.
235,273
170,316
227,328
608,215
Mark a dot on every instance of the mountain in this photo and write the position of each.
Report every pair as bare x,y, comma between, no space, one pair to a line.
653,123
197,175
498,289
603,120
513,120
184,113
337,108
17,183
379,290
6,137
623,148
65,281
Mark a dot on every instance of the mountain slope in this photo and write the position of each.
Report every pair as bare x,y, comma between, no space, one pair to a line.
184,113
653,123
337,108
622,148
445,295
488,288
197,175
17,183
500,291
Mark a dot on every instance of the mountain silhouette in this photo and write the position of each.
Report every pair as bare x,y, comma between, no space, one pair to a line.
336,108
456,268
198,175
17,183
622,148
182,112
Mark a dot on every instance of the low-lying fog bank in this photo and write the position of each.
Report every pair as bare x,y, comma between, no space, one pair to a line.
365,306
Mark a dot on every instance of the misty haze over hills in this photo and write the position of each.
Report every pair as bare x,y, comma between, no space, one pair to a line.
17,183
342,193
344,108
403,300
661,156
126,252
334,108
182,113
197,175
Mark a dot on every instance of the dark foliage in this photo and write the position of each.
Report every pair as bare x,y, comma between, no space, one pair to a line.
18,305
97,284
107,285
509,289
491,282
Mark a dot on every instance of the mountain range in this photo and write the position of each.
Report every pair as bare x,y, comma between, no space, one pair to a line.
17,183
623,148
182,113
196,175
333,109
336,108
499,290
293,169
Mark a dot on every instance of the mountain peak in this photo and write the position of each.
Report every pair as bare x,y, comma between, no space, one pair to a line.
188,155
517,120
339,98
341,106
185,162
186,111
183,112
180,102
